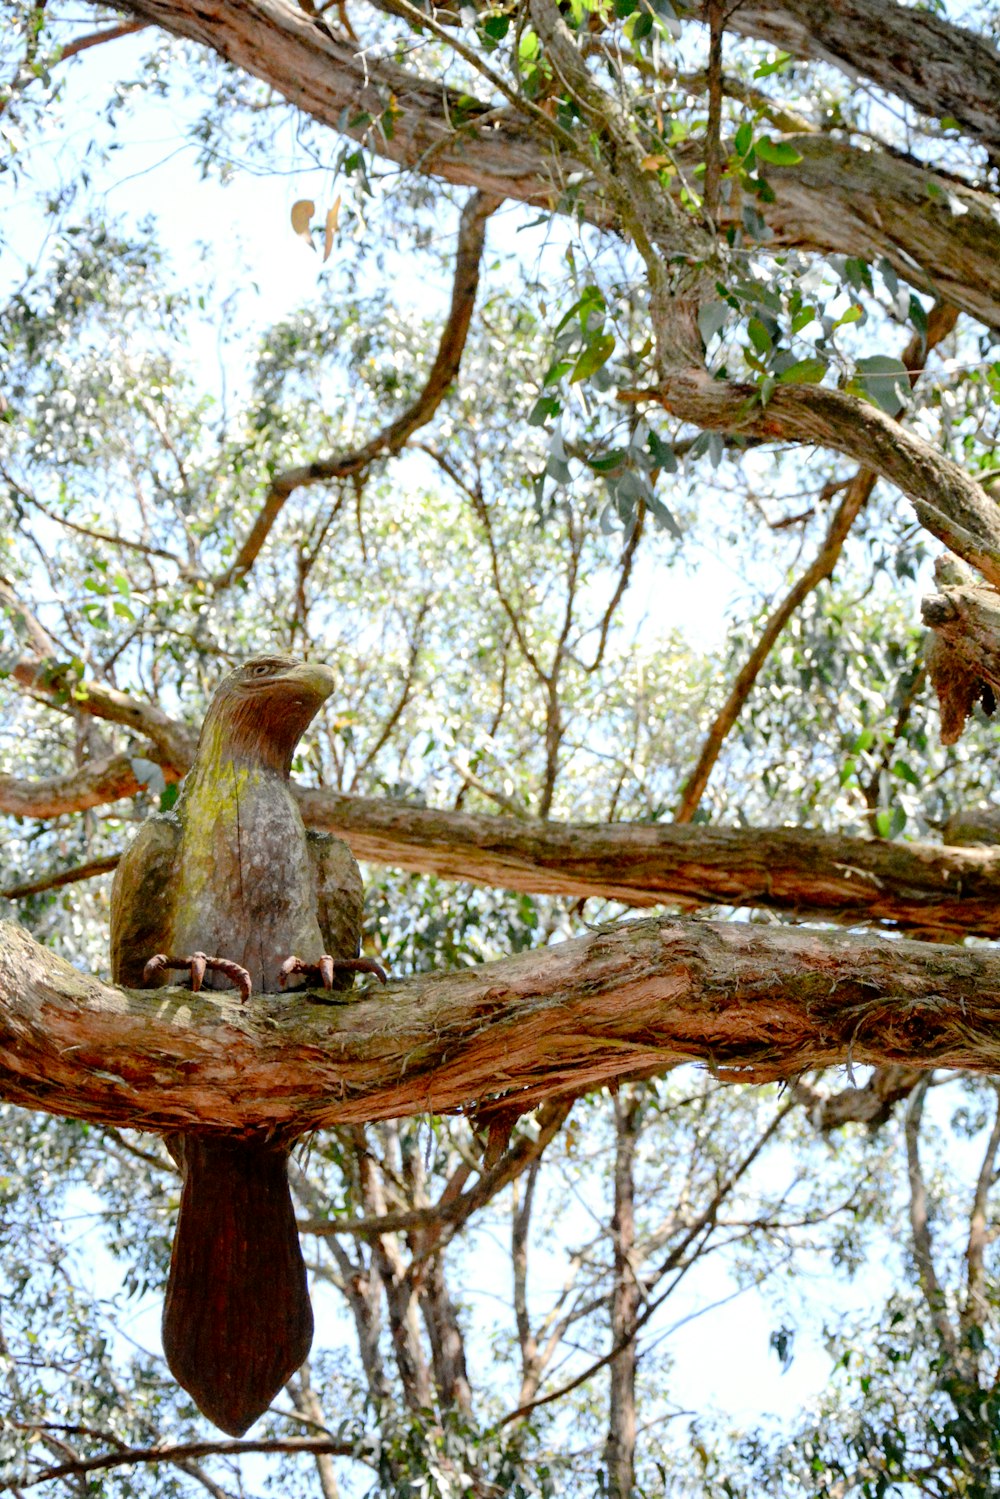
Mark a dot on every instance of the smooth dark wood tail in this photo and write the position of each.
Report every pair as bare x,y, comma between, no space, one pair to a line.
237,1321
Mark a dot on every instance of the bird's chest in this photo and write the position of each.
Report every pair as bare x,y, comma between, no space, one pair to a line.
248,887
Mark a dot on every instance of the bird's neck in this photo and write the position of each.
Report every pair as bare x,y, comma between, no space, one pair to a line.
245,741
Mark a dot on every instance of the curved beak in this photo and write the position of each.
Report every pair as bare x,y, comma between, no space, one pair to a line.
319,681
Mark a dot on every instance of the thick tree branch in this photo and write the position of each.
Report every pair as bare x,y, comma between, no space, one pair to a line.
755,1003
851,880
465,284
938,67
937,233
95,784
950,504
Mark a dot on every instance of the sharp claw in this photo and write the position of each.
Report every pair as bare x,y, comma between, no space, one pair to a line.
327,966
289,966
155,966
197,965
363,965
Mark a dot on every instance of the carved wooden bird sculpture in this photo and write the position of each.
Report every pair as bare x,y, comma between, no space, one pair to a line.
231,887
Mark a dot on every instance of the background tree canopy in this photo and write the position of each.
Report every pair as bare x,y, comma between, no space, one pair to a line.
620,371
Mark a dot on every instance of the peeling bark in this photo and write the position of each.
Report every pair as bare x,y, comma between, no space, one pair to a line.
938,67
848,880
938,233
755,1003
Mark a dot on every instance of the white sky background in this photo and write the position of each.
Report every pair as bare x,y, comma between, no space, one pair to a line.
243,230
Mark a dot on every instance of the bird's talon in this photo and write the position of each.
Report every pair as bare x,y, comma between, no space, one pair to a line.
325,968
197,965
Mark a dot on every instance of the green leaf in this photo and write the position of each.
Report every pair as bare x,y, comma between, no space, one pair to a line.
744,139
775,66
556,371
664,517
778,153
853,314
711,319
529,46
169,795
759,336
608,461
543,408
890,822
905,773
804,372
882,380
590,300
661,453
593,356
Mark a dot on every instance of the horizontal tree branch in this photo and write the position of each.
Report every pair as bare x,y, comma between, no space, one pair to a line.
755,1003
58,878
850,880
178,1452
935,65
938,233
94,784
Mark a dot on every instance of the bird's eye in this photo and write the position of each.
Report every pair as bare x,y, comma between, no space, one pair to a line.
262,669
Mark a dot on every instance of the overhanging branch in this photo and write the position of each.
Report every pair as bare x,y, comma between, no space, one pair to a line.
755,1003
948,502
938,233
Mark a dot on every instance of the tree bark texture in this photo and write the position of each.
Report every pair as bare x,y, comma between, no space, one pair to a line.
755,1003
938,233
938,67
909,885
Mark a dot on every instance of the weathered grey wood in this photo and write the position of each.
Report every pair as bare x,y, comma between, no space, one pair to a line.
756,1002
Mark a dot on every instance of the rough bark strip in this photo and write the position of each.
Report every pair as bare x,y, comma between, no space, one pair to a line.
967,616
754,1003
938,67
837,199
850,880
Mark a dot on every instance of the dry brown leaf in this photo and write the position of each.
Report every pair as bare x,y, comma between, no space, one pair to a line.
302,214
332,220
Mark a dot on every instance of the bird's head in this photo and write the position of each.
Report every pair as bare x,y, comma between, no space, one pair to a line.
261,710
